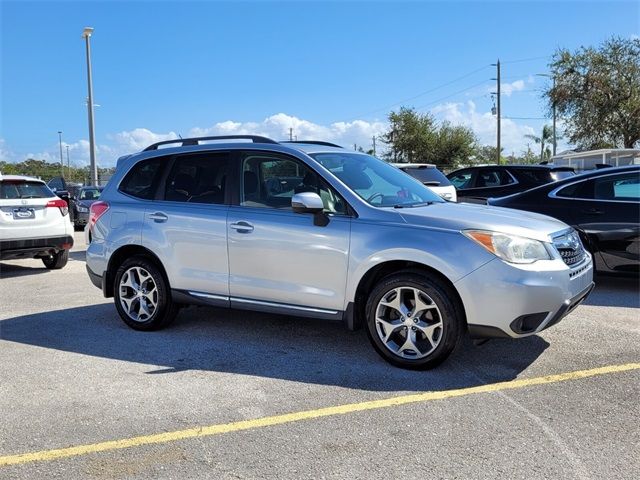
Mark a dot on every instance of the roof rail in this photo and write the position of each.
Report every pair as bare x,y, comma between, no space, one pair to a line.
314,142
196,140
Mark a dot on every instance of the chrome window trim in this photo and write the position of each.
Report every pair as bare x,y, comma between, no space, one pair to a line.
553,193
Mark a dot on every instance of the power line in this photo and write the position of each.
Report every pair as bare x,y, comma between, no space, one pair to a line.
527,118
453,95
466,75
526,59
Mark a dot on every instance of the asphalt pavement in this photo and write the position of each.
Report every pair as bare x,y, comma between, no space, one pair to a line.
230,394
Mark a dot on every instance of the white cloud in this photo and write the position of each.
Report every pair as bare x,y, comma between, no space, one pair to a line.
508,88
484,125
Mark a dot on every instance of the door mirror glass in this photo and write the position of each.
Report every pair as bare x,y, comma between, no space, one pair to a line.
306,202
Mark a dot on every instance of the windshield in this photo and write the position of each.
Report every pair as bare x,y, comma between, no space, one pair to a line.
89,194
377,182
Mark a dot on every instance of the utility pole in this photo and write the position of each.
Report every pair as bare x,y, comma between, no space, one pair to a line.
291,134
68,165
61,161
374,145
554,118
498,113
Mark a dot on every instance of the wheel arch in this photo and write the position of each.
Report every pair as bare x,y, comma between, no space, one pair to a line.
120,255
356,314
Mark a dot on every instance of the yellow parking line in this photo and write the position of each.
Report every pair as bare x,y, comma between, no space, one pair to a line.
47,455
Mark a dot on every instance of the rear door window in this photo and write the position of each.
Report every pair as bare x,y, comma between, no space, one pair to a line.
198,178
461,179
492,178
16,189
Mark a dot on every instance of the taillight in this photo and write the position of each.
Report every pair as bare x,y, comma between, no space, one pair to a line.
59,203
96,210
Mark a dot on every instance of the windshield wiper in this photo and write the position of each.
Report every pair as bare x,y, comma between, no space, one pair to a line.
411,205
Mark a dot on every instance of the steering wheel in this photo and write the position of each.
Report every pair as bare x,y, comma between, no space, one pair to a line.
375,195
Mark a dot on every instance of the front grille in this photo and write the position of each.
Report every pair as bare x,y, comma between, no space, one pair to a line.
571,256
570,248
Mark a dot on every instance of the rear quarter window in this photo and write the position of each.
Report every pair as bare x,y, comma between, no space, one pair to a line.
142,180
12,189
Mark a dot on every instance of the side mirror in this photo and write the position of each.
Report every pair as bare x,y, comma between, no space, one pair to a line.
307,202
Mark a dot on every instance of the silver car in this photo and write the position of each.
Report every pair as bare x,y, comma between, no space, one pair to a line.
313,230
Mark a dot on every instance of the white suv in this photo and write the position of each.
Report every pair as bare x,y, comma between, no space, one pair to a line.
34,223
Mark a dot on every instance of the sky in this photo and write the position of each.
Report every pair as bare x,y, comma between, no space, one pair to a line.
328,70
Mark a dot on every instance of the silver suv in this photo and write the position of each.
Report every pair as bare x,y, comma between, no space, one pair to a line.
310,229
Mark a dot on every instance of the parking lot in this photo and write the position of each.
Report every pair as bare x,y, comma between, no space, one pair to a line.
244,395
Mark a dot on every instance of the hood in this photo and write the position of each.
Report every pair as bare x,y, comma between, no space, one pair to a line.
466,216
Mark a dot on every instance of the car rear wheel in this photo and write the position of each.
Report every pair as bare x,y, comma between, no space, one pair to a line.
413,320
142,296
57,260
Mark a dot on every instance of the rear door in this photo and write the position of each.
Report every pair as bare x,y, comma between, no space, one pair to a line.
186,225
279,258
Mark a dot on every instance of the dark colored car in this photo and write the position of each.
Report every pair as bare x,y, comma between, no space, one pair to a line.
602,205
476,184
82,202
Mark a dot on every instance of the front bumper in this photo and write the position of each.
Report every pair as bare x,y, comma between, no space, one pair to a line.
34,247
504,300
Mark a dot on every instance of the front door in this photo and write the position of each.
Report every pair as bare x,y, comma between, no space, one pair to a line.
278,257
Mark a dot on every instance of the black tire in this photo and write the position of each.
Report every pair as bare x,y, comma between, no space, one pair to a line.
165,310
57,260
449,313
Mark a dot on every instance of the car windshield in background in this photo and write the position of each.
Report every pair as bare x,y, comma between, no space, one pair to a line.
89,194
428,175
377,182
12,189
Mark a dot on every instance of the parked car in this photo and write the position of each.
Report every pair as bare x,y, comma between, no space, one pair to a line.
476,184
66,191
602,205
430,176
318,231
34,223
81,203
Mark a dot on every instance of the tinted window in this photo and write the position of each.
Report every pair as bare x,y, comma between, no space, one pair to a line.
492,178
539,176
429,176
270,181
56,183
375,181
618,187
142,179
12,189
461,179
198,178
89,194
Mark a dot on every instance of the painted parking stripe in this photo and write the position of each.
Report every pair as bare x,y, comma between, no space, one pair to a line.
219,429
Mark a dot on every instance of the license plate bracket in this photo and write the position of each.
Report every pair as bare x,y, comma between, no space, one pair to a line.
24,213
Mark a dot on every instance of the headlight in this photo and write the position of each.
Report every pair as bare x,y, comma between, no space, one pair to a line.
511,248
83,209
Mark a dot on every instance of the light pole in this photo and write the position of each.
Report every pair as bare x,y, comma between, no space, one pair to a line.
68,165
498,116
553,107
86,34
61,161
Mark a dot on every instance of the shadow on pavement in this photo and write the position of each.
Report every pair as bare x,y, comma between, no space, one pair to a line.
9,270
270,346
615,291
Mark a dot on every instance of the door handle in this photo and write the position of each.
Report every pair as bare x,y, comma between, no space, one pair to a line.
242,227
593,211
158,217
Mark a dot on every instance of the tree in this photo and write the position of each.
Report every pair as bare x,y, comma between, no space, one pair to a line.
597,93
415,137
543,140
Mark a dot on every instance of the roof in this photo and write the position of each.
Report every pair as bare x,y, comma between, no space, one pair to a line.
19,177
599,153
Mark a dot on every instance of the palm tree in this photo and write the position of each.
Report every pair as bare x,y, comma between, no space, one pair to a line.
544,139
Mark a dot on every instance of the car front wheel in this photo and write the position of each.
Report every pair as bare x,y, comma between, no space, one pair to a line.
142,296
413,320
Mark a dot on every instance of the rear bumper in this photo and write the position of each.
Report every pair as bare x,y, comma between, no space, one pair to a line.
94,277
34,247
